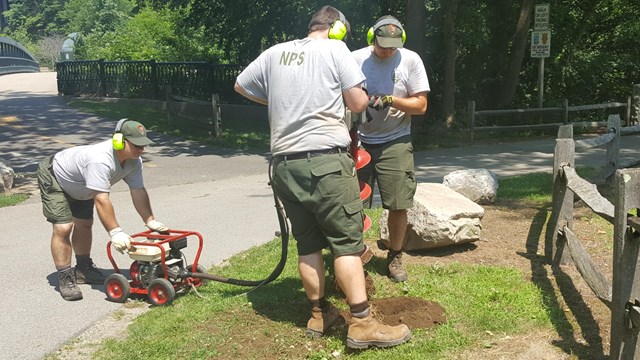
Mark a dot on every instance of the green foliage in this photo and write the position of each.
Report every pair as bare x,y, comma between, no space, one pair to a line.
97,17
593,55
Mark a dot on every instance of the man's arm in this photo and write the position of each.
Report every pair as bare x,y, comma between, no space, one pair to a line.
413,105
105,211
141,202
242,92
356,99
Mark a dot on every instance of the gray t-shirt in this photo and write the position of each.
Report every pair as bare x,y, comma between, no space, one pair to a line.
402,75
303,81
84,170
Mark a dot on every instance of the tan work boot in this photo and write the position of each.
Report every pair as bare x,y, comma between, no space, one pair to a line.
396,271
321,320
368,331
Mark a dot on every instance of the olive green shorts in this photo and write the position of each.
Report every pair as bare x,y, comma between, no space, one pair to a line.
57,206
321,197
392,167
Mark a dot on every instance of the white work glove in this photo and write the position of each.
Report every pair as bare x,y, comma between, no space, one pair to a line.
156,225
120,240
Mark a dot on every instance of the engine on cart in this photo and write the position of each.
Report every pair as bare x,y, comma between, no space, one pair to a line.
148,265
158,269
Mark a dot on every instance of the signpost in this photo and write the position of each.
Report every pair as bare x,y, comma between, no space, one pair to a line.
541,44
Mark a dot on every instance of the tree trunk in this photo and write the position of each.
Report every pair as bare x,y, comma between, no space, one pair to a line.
450,55
415,29
519,45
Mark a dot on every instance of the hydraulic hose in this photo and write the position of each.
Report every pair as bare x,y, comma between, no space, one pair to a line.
284,234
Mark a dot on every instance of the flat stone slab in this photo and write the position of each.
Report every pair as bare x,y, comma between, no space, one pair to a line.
439,217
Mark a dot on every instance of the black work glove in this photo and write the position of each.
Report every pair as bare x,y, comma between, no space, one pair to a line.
380,102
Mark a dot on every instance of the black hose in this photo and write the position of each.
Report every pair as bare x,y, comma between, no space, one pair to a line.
284,234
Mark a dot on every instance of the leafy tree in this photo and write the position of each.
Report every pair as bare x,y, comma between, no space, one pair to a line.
49,50
96,16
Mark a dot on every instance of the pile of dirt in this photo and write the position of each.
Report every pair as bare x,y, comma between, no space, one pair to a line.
416,313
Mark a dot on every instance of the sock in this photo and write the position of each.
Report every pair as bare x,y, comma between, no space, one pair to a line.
360,310
319,304
393,253
62,269
84,260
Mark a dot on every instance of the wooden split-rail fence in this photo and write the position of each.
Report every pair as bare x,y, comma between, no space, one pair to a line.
622,296
194,116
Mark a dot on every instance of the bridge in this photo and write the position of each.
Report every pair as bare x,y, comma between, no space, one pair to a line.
15,58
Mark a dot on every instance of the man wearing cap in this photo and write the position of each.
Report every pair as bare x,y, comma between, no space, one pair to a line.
398,86
75,180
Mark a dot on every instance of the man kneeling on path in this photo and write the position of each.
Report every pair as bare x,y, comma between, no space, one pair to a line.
72,181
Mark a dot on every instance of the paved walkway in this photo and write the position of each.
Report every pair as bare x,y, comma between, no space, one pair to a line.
221,194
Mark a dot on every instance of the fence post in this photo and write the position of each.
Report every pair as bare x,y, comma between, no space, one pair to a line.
102,89
154,79
565,114
636,103
613,146
625,286
471,109
167,93
215,103
562,198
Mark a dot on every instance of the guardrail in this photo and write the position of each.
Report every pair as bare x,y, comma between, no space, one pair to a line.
15,58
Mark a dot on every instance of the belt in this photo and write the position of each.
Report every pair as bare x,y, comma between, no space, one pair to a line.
310,154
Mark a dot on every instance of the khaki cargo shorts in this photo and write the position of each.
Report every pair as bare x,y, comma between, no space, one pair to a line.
392,167
321,196
57,206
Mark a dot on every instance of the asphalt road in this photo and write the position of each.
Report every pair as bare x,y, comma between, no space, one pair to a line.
221,194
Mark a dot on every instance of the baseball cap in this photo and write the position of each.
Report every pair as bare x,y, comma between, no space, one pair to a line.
389,36
135,133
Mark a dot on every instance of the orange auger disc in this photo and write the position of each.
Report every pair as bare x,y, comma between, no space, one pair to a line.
362,159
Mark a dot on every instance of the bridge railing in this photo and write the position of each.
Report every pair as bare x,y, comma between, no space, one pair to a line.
15,58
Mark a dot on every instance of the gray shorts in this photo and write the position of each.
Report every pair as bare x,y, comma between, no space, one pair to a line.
392,167
321,197
57,206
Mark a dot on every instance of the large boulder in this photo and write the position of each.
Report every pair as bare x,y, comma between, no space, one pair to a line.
439,217
7,175
478,185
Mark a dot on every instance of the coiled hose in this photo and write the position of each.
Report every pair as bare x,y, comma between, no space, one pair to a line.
284,234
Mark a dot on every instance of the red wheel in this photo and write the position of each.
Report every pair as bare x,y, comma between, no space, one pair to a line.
117,288
198,281
161,292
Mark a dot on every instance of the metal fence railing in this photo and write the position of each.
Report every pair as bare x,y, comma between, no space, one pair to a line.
148,79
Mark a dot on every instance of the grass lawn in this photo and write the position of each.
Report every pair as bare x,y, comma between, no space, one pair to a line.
224,321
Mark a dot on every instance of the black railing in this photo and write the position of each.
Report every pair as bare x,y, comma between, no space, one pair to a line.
15,58
148,79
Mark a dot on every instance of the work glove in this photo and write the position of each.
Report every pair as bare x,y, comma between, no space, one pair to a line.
121,240
156,225
380,102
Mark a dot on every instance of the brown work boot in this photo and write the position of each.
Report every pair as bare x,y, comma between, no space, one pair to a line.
396,271
321,320
67,284
368,331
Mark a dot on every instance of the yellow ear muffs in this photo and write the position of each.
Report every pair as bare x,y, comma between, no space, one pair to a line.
338,30
371,34
118,138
